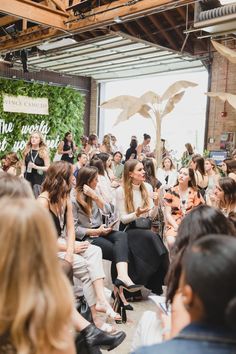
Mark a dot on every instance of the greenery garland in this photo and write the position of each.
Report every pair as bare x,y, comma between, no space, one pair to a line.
66,110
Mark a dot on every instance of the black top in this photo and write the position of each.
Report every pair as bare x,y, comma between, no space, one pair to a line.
35,176
57,224
66,147
129,152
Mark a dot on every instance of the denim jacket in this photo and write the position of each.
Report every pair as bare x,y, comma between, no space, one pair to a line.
196,338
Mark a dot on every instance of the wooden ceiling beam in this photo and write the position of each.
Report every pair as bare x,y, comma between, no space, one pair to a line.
173,24
103,18
129,29
7,20
182,13
35,12
148,34
163,32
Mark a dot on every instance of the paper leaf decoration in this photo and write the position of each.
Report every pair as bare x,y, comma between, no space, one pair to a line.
144,111
120,102
176,87
150,97
224,96
225,51
171,103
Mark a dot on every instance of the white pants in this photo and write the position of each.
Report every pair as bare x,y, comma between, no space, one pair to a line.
87,267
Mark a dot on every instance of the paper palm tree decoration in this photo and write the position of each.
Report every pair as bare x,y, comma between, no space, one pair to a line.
151,106
225,51
224,96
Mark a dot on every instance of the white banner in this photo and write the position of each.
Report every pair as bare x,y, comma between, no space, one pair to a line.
24,104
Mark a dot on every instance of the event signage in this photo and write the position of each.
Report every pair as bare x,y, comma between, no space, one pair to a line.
8,128
25,104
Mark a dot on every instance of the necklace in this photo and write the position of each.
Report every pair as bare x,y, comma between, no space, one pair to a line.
33,158
61,216
183,204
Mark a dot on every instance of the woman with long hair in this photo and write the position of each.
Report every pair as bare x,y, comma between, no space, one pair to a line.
198,165
106,144
167,173
137,204
180,200
187,155
131,152
145,148
150,174
225,195
90,336
11,164
67,148
86,259
229,168
87,207
35,160
36,299
92,146
104,184
213,176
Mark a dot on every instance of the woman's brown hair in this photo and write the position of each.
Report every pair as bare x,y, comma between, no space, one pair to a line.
228,186
85,176
58,181
128,190
36,298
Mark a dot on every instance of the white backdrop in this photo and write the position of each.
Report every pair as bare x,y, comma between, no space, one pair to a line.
186,123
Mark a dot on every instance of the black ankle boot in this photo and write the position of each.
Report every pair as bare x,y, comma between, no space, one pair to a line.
94,338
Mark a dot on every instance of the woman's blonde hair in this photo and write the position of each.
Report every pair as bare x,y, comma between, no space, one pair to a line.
128,190
107,142
36,298
42,145
213,164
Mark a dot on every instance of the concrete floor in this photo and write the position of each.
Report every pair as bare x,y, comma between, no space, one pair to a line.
129,328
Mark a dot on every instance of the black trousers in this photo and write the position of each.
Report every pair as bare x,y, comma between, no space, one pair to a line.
114,246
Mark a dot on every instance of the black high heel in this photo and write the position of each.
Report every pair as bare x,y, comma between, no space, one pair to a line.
130,288
119,307
91,339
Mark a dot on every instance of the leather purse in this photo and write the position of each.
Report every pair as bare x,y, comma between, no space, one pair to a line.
140,223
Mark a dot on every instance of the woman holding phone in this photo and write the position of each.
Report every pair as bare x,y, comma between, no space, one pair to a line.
87,206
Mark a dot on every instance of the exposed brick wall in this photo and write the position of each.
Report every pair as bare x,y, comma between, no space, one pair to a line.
93,126
223,80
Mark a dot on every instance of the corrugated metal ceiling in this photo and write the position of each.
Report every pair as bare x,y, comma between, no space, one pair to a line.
113,56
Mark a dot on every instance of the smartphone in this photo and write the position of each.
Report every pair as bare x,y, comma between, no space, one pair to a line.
113,223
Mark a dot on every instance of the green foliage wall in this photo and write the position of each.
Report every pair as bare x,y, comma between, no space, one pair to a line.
66,109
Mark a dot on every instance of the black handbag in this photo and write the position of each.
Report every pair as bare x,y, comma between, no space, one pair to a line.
140,223
84,309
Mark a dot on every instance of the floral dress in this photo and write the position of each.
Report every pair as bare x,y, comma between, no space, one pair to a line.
178,208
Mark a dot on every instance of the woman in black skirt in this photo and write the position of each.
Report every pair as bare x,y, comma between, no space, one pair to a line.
137,204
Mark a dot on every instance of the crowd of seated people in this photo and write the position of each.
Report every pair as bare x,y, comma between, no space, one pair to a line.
102,206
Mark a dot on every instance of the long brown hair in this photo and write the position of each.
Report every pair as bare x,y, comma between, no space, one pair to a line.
42,145
228,186
13,160
128,190
85,176
36,298
58,181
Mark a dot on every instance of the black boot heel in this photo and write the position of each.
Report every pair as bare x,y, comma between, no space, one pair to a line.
123,314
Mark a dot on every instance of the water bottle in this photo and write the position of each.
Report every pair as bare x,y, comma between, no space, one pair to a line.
29,167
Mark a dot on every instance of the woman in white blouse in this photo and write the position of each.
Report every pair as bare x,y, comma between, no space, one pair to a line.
137,204
167,174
